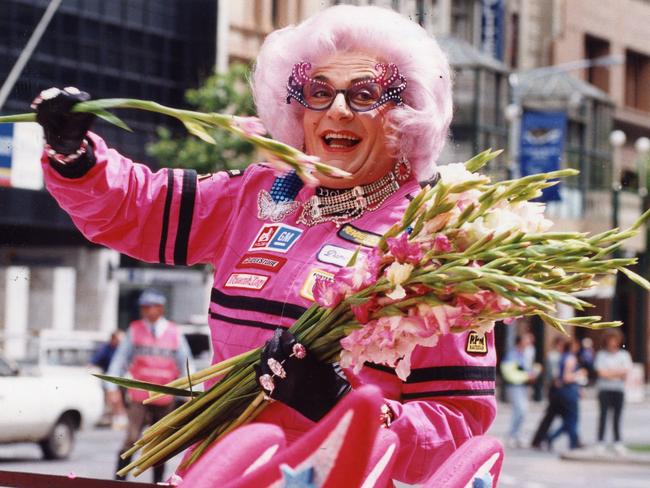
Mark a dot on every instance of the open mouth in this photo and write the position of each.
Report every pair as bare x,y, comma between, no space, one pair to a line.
340,140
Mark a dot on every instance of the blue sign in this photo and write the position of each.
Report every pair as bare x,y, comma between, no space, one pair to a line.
492,27
542,146
6,141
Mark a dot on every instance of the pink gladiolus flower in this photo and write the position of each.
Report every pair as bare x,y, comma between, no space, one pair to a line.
447,316
362,312
277,164
252,126
373,260
327,293
441,243
361,275
438,222
403,250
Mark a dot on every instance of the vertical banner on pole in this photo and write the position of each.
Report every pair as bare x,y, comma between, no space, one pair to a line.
6,142
492,27
542,146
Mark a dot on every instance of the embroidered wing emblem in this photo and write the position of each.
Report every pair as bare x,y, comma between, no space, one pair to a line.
274,211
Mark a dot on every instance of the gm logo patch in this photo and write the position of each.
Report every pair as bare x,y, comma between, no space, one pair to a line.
275,237
261,260
338,256
307,287
354,234
476,344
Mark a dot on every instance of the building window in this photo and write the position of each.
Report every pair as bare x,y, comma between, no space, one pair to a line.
597,75
637,80
464,16
513,44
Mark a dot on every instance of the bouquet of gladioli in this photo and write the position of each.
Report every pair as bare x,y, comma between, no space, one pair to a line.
466,253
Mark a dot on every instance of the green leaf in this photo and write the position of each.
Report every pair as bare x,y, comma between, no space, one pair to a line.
199,131
111,119
357,300
639,280
146,386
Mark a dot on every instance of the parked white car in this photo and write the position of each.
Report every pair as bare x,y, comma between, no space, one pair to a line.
47,404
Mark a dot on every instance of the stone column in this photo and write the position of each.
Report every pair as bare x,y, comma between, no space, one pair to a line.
64,283
16,304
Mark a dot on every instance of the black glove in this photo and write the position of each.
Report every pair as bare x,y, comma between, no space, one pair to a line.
64,130
310,386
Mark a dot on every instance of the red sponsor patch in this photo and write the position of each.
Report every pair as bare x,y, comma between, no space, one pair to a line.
264,236
261,260
247,281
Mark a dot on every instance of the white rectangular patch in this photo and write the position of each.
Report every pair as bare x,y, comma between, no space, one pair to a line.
338,256
247,281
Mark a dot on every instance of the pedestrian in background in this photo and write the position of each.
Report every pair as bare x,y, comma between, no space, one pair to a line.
103,355
552,380
518,371
102,359
153,350
586,358
571,377
612,366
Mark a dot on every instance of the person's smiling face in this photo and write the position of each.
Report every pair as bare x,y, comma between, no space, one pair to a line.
341,137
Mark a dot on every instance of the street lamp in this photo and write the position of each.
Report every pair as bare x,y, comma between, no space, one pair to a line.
617,139
642,148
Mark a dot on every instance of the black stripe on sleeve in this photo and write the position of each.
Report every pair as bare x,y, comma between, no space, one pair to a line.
447,393
247,323
185,213
444,373
165,218
256,304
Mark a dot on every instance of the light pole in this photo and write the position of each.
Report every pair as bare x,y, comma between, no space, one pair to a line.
642,148
617,139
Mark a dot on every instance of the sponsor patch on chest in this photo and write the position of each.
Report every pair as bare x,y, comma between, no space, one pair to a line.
261,260
247,281
353,234
476,344
307,287
331,254
275,237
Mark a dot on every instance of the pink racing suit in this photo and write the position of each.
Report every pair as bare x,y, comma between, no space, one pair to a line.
262,280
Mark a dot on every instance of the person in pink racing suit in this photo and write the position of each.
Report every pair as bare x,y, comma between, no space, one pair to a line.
370,92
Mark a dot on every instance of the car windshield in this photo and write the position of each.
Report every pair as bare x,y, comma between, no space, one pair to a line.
5,369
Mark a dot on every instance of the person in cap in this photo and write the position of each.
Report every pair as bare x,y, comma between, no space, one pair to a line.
153,350
363,89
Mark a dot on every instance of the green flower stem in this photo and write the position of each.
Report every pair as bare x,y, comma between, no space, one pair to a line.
12,119
186,434
210,372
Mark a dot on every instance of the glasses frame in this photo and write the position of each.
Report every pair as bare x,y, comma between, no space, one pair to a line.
389,79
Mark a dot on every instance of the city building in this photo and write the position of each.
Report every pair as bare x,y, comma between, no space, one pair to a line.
50,276
617,29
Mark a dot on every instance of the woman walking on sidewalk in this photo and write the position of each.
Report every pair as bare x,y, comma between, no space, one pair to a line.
568,394
612,365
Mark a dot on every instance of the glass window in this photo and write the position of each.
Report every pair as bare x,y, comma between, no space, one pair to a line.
597,75
637,80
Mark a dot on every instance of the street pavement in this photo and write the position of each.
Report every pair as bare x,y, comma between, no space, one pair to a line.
528,468
95,454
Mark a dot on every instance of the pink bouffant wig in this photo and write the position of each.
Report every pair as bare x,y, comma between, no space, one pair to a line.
417,129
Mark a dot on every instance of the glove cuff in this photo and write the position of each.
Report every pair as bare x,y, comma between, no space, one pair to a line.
78,167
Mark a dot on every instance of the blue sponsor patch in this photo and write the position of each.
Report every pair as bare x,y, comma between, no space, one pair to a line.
275,237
